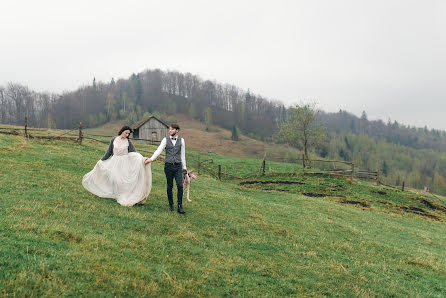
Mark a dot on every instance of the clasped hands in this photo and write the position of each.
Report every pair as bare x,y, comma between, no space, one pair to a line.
148,160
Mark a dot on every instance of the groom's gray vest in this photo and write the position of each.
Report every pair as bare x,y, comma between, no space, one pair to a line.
173,153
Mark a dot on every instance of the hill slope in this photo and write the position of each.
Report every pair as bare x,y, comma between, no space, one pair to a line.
58,239
217,140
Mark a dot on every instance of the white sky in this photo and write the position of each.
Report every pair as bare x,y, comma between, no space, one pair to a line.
387,57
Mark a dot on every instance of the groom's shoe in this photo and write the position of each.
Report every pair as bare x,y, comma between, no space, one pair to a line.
180,209
171,207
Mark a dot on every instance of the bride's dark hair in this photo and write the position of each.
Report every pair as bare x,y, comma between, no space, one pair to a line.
125,128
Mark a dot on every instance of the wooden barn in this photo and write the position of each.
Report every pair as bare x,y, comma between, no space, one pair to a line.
151,129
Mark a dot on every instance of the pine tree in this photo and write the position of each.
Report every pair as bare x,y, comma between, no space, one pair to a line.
234,135
385,168
208,118
192,111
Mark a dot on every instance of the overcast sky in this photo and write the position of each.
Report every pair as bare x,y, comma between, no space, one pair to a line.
387,57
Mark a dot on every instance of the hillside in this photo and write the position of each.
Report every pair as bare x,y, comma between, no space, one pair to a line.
258,239
217,140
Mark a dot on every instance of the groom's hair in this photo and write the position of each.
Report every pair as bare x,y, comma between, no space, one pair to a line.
124,128
176,126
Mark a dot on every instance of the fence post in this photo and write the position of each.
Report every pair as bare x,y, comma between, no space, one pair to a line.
26,127
80,133
303,163
219,172
377,178
402,187
263,167
353,170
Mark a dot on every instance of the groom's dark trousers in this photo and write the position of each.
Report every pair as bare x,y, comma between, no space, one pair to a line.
174,170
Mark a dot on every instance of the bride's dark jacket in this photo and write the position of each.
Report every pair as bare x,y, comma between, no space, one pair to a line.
110,149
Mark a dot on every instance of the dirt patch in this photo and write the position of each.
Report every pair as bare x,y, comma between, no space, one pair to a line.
270,182
362,204
332,189
380,192
418,211
316,195
281,232
272,189
415,209
418,263
430,205
319,195
433,206
334,186
384,202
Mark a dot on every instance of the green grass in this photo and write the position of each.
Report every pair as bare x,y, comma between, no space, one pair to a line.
248,240
354,192
240,167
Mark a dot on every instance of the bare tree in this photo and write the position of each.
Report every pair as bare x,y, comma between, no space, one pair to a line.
2,105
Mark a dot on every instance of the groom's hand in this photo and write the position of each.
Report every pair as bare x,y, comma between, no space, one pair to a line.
147,160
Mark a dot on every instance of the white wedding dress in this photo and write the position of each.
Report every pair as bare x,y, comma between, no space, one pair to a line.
123,177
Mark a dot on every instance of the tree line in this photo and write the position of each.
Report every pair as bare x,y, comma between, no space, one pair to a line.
396,163
391,132
148,92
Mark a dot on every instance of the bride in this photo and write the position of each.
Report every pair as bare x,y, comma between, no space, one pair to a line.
124,176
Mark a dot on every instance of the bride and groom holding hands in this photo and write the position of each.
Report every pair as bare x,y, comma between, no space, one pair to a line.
127,175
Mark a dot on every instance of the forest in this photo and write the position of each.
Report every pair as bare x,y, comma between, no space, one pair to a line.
415,156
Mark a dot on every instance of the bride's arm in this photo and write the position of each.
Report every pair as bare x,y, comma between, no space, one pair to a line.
109,151
131,147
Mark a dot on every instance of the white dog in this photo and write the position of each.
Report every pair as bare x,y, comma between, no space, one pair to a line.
188,177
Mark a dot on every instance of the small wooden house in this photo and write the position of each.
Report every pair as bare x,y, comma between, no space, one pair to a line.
150,130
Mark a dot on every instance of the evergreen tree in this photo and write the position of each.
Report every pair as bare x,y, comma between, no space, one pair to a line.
364,116
384,169
138,89
110,102
208,118
192,111
234,134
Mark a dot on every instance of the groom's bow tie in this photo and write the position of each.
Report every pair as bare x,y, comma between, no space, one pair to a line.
174,139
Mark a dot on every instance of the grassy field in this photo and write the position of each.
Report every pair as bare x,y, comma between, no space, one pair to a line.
256,237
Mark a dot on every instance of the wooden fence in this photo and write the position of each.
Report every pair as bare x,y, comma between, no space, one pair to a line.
351,171
209,166
77,135
206,165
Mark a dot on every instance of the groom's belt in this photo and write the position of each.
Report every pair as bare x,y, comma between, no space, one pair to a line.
172,163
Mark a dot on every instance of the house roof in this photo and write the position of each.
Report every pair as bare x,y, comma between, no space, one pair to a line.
144,120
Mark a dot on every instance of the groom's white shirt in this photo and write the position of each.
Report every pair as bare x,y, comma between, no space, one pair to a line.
162,146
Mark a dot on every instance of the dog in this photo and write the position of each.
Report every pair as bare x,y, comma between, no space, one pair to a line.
188,177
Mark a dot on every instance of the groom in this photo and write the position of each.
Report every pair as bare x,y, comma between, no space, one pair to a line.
174,164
